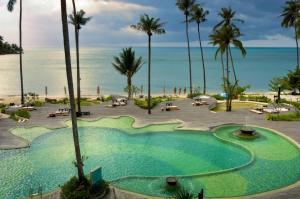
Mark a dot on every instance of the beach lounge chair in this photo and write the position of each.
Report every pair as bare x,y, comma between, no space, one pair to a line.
256,111
169,107
270,110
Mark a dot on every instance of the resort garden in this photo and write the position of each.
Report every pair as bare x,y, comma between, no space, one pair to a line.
190,143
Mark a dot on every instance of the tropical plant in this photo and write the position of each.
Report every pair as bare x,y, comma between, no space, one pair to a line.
294,80
277,82
228,18
10,7
79,162
223,37
183,194
150,26
126,64
186,6
198,15
78,20
290,19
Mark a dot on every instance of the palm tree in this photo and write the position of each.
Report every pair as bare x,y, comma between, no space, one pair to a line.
228,19
199,16
79,163
291,15
126,64
224,37
150,26
185,6
78,20
10,7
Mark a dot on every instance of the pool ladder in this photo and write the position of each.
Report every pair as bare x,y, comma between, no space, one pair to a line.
37,195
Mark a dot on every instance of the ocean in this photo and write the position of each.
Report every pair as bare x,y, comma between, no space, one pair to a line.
45,67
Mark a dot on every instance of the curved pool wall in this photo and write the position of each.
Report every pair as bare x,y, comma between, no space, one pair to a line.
138,159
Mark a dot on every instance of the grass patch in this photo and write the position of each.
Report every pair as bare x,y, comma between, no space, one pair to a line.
20,113
284,117
143,103
88,102
221,107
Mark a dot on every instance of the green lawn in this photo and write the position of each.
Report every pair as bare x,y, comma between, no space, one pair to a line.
221,107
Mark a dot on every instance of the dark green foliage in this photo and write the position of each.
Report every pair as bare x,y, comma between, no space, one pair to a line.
263,99
143,103
284,117
240,91
294,79
127,64
20,113
6,48
183,194
277,82
73,189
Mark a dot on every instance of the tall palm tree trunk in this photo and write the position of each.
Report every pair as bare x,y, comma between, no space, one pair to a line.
189,53
129,85
202,56
297,44
223,73
21,52
228,107
233,68
149,74
77,59
79,163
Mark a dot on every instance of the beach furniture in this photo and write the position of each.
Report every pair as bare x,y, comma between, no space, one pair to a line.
270,110
169,107
256,111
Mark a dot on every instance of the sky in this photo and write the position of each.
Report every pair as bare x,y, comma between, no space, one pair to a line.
111,20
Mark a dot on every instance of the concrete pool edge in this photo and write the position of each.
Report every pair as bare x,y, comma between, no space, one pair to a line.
179,126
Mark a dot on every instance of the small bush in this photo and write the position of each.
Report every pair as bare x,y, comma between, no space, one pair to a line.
23,113
263,99
143,103
38,103
284,117
73,189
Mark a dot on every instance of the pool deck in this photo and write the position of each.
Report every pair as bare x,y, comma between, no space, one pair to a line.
191,118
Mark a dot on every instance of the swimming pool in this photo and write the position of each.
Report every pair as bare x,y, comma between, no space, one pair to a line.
139,159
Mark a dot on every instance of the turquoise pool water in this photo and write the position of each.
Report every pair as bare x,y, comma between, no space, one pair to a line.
139,159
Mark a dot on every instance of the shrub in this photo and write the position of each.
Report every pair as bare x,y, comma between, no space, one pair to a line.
143,103
73,189
23,113
284,117
259,99
38,103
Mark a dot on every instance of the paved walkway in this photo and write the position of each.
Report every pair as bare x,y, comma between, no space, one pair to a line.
192,117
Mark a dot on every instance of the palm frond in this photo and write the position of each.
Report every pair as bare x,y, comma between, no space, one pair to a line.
11,5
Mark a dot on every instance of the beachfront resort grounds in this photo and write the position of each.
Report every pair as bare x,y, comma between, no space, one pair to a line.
137,157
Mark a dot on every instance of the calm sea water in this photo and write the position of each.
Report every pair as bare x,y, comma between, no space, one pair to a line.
45,67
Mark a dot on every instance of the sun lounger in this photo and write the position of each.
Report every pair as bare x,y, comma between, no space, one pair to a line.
256,111
270,110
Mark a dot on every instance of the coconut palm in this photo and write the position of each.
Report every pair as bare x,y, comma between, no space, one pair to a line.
78,20
150,26
223,37
10,7
79,163
185,6
198,15
228,18
290,19
126,64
